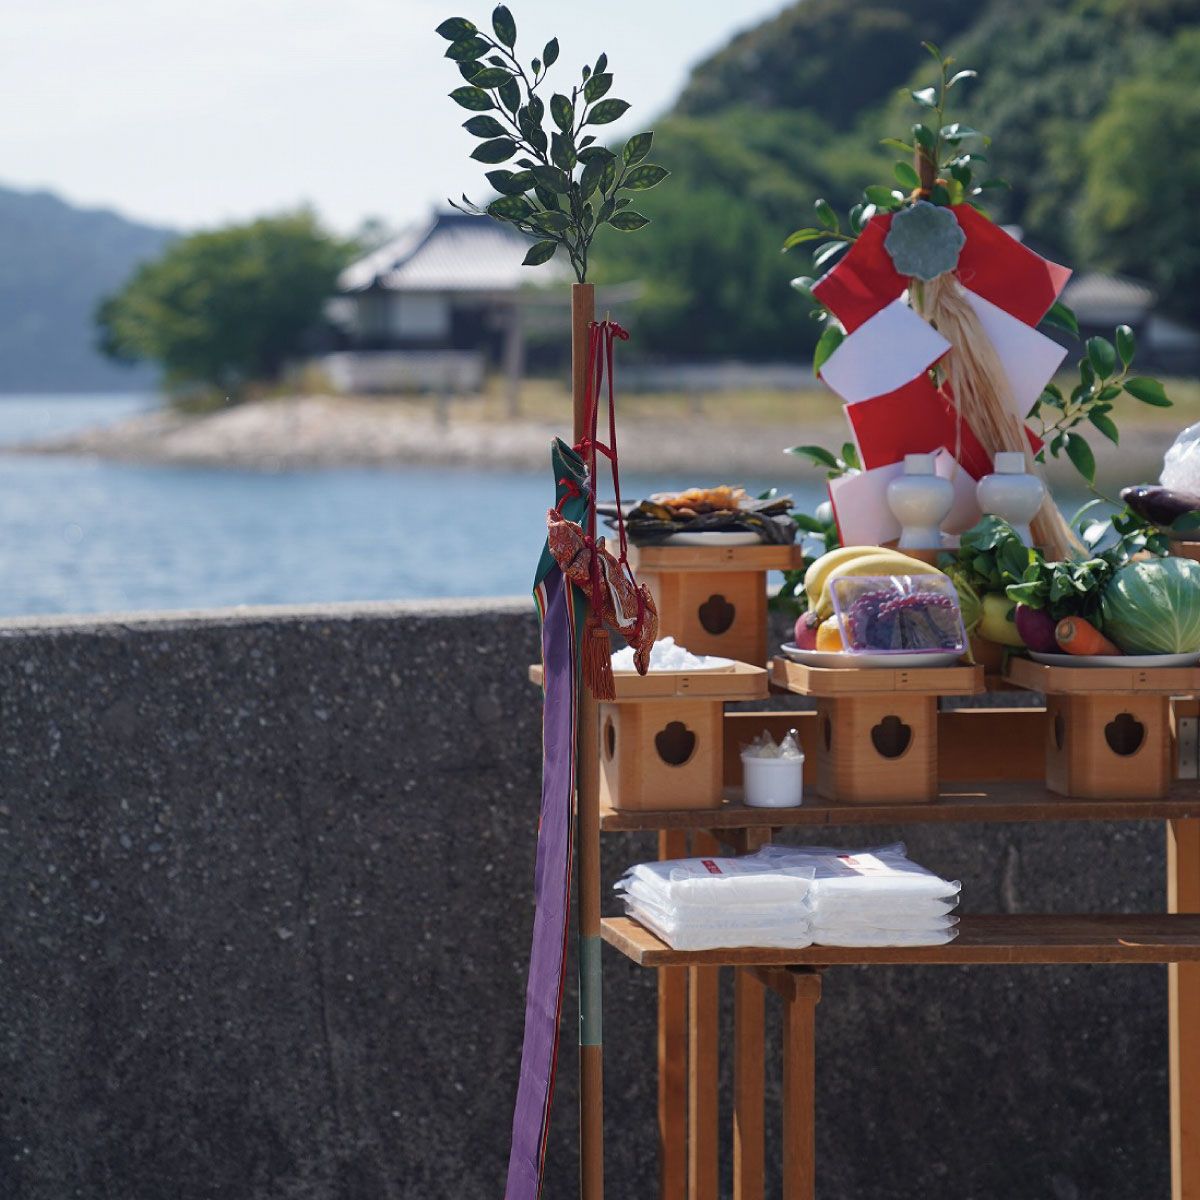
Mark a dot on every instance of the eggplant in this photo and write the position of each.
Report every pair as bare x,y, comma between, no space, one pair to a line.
1159,505
1036,627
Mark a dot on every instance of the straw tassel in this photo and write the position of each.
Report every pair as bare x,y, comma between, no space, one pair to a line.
597,658
980,392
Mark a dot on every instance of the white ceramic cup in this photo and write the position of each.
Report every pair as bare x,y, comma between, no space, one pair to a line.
773,782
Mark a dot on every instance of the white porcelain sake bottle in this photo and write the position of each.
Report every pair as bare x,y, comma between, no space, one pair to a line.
919,500
1011,492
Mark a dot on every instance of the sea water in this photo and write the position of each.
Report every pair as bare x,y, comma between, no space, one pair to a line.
83,536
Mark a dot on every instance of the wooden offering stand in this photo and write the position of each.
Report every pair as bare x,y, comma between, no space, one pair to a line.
1001,747
877,728
713,599
1108,729
662,738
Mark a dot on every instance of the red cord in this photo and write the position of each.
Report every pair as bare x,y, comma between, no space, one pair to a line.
600,355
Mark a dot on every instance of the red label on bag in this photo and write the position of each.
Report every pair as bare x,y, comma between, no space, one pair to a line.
711,866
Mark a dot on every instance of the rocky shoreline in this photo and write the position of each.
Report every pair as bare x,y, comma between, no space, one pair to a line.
327,431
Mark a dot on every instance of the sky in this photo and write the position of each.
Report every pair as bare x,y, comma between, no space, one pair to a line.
192,115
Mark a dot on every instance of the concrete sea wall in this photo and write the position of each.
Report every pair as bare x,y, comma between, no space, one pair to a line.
265,902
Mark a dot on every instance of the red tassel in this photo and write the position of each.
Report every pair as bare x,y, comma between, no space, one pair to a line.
597,659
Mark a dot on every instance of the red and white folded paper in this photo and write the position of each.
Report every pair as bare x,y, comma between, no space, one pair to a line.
881,369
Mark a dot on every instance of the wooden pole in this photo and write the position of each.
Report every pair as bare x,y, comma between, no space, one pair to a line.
704,998
1183,895
587,825
672,1056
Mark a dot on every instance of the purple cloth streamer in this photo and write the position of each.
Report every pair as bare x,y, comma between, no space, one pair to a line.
552,888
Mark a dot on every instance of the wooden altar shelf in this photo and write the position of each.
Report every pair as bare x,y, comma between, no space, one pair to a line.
991,939
741,681
955,802
872,681
708,558
877,735
1108,729
713,599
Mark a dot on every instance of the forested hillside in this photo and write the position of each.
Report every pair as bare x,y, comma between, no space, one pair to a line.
56,262
1092,106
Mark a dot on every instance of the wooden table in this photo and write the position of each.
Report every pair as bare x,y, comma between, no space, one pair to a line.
688,981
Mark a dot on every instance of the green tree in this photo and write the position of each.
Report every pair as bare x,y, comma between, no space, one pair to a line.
229,307
1141,186
830,56
715,282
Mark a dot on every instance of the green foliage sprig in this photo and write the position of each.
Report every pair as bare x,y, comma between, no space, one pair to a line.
567,186
835,466
1091,400
940,169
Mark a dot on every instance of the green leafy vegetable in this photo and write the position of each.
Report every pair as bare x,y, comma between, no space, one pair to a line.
1153,607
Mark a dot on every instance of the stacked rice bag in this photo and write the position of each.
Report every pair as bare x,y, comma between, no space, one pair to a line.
874,897
712,903
790,897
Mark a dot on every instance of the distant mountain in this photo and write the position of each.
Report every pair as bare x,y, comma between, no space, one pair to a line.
56,262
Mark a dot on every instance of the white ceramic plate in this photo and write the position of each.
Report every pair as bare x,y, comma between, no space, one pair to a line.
1138,661
900,660
714,537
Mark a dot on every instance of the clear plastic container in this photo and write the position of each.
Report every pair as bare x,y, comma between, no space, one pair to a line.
898,614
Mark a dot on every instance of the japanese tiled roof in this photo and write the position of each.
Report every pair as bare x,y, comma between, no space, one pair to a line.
454,252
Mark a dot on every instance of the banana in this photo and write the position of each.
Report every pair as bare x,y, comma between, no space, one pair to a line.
819,569
882,562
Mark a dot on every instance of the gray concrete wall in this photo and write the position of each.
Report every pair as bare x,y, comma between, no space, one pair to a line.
264,912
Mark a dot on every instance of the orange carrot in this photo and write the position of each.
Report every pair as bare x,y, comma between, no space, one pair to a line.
1077,636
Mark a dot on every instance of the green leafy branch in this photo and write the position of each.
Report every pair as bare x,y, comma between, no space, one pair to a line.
1060,416
940,169
834,466
567,186
821,530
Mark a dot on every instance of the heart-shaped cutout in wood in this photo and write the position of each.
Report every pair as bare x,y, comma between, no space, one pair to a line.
1124,734
891,737
716,614
675,744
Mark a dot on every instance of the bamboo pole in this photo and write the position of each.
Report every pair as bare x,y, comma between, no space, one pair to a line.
1183,895
587,825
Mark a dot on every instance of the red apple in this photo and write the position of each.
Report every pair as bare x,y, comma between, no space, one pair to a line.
806,631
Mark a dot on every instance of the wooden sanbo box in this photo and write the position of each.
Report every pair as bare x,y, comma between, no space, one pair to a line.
877,727
662,756
873,747
1107,746
662,738
713,599
1108,729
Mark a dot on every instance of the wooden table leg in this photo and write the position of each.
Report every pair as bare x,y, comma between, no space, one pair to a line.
800,989
748,1071
703,1064
672,1057
748,1087
799,1087
1183,895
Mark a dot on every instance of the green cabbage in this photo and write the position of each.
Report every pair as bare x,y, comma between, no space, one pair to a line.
1153,607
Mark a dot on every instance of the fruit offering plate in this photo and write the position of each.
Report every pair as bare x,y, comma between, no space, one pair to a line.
845,659
1137,661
